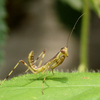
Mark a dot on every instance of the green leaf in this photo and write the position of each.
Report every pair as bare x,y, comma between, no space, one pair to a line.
95,5
75,4
60,86
78,5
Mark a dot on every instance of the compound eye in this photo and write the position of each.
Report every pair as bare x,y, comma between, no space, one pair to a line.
62,50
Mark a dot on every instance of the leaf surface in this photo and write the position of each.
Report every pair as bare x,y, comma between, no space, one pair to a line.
60,86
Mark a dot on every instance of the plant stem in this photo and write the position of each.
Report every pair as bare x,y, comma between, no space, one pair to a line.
84,39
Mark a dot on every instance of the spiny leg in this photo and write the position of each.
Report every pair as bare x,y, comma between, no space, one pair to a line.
42,54
44,80
15,68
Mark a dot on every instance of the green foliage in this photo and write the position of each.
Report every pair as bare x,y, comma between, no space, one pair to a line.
84,39
60,86
79,5
84,6
65,14
95,6
3,28
75,4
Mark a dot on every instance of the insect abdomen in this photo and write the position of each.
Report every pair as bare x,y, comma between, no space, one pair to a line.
31,58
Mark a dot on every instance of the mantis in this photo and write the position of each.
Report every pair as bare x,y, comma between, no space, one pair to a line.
51,64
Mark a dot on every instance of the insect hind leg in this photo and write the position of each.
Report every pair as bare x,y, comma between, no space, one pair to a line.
44,79
40,63
15,68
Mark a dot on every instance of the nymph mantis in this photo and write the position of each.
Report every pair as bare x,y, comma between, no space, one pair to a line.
51,64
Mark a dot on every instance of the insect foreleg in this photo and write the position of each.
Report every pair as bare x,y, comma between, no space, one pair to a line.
56,63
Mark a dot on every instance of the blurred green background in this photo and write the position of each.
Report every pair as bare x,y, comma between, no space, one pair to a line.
3,29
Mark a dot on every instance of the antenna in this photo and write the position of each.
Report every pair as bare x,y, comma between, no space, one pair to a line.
73,29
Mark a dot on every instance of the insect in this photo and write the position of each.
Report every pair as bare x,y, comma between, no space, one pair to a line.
51,64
